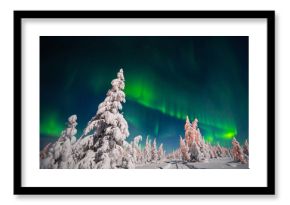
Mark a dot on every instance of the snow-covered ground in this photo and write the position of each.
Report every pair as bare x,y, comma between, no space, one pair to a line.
224,163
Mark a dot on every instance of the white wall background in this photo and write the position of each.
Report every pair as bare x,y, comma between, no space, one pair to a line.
282,98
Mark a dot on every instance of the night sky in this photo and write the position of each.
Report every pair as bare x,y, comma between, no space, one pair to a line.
166,78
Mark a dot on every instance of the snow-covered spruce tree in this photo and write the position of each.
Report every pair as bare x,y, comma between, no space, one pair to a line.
227,152
161,152
60,153
219,150
154,154
196,131
215,151
147,151
210,150
246,150
107,146
197,149
137,152
184,150
237,151
189,132
177,155
195,153
223,152
204,150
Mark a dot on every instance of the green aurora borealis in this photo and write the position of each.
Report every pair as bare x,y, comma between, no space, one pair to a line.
167,78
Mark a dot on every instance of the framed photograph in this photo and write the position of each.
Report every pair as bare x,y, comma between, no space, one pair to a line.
144,102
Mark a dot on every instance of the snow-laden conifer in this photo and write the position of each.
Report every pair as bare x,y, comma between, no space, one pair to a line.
237,151
60,153
109,132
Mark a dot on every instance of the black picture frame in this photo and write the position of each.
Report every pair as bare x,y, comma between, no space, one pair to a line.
268,190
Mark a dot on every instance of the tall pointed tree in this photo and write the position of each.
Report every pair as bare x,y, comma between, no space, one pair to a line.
184,150
137,152
110,130
147,151
154,154
237,151
188,132
246,148
160,152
